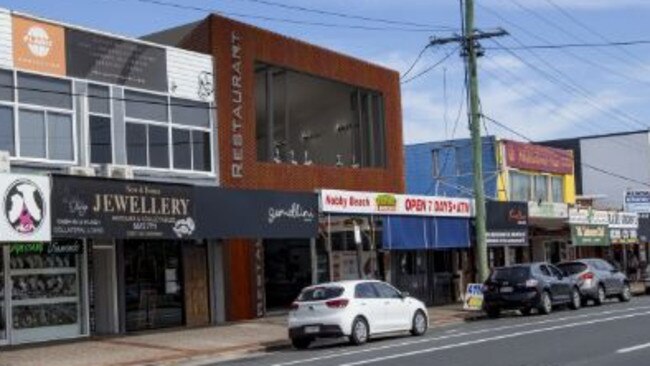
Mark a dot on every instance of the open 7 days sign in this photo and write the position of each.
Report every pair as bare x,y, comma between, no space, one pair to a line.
371,203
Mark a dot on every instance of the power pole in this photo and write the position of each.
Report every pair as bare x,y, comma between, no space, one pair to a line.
472,50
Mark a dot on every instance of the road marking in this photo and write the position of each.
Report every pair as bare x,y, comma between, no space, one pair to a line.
632,349
492,339
337,354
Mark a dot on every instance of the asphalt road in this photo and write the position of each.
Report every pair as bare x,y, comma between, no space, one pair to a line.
612,334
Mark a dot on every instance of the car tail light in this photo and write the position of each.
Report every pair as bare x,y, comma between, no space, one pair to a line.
532,283
337,304
587,276
295,306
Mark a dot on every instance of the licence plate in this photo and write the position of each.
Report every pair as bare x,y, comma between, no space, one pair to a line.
506,289
312,329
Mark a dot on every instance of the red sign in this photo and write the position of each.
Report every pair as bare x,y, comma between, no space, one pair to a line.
538,158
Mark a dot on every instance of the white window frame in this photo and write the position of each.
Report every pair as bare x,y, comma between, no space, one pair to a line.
97,114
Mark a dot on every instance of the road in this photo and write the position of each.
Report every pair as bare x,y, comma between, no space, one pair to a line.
612,334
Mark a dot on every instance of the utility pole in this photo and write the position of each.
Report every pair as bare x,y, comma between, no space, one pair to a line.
472,50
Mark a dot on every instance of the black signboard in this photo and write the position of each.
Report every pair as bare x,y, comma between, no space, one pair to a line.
644,227
112,60
507,223
104,208
233,213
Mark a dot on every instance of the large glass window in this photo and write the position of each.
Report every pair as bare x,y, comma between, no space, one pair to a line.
158,146
7,129
44,91
60,142
305,119
136,144
149,107
6,85
520,186
101,132
541,188
32,134
557,189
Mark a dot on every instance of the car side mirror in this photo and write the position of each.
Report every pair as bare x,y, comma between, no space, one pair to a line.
405,294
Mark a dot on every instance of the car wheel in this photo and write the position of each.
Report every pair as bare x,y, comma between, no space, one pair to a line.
493,313
545,304
360,331
600,296
301,342
420,324
576,300
526,311
626,293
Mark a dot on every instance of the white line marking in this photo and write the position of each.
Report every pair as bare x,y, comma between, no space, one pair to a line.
632,349
492,339
337,354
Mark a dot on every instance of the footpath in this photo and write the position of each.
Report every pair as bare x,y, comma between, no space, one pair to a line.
180,346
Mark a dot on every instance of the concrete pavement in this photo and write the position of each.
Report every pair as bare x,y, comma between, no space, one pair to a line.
614,334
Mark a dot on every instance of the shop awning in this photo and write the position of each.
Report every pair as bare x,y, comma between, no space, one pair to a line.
418,233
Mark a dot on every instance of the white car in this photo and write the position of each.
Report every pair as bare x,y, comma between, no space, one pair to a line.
354,309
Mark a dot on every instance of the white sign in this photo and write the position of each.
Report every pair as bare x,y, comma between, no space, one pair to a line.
371,203
588,216
24,208
623,220
190,75
548,210
473,297
637,201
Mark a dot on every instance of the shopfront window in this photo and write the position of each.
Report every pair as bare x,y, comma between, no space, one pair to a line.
520,186
303,119
153,284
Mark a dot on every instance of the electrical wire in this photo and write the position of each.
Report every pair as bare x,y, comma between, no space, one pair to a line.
415,62
574,45
430,68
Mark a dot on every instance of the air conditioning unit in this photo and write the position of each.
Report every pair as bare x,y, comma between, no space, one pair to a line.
5,165
117,171
81,171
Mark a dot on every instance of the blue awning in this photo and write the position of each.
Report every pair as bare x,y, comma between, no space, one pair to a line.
417,233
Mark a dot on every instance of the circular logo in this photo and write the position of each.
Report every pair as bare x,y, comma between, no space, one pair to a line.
24,206
38,41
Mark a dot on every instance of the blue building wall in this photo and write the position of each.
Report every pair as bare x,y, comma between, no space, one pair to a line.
454,159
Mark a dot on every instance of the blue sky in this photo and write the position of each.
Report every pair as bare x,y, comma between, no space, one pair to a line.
544,94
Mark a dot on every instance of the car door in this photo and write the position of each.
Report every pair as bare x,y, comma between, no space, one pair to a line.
565,285
554,286
371,306
395,308
613,282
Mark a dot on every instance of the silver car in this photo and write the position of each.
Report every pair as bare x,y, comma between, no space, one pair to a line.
598,280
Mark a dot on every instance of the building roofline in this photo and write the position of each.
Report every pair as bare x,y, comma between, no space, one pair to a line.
605,135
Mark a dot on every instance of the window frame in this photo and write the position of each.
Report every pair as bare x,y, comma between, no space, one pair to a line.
111,111
18,106
170,128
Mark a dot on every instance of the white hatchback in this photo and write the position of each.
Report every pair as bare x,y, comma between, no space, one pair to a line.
354,309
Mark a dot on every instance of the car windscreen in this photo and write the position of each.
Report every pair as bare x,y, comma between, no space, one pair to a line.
511,274
320,293
572,268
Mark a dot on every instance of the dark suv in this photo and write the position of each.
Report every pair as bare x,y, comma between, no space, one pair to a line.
529,286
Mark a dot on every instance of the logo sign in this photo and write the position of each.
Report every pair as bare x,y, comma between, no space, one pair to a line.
590,235
294,212
25,210
538,158
38,46
507,223
473,297
637,201
370,203
105,208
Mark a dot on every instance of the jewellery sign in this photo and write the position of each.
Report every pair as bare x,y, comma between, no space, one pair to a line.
371,203
24,203
104,208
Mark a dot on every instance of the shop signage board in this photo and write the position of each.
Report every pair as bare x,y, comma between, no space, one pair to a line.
637,201
118,209
590,235
372,203
548,210
644,227
623,220
24,208
507,223
232,213
473,300
588,216
623,236
538,158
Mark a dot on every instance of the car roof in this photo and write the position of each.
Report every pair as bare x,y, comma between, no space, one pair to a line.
345,283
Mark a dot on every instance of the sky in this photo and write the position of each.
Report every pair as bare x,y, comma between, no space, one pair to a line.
541,94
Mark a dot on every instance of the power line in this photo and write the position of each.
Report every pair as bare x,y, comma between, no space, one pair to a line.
277,19
428,69
347,15
574,45
415,62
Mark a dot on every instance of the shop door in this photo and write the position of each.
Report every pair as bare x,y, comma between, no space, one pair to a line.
287,270
197,305
412,274
153,284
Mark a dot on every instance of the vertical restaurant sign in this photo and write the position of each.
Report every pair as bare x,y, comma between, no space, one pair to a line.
372,203
538,158
117,61
237,98
39,46
25,210
105,208
637,201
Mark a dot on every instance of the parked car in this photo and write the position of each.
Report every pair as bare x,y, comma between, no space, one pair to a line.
597,280
354,309
529,286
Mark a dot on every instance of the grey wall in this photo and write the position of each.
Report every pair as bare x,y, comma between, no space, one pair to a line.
625,155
